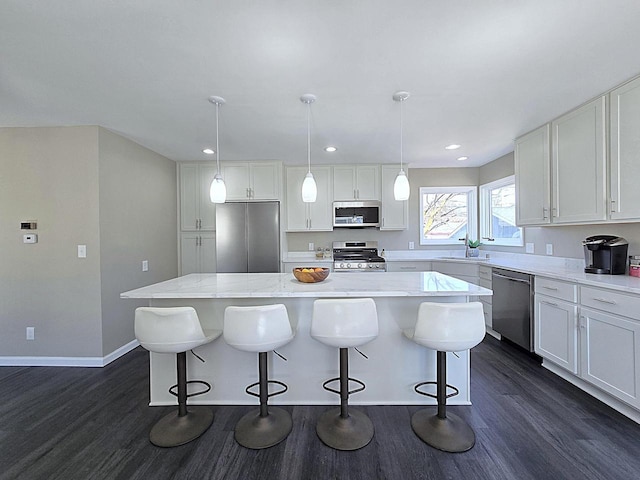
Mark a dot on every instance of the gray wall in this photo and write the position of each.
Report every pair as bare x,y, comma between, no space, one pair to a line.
59,177
138,215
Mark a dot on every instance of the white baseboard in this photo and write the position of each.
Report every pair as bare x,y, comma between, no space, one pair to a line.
68,361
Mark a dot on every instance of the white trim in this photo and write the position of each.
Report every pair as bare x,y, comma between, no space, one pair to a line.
485,214
68,361
472,213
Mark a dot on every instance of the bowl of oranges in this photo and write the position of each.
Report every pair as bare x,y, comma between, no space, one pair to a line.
310,274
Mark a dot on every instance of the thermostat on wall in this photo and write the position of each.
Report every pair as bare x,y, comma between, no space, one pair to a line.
30,225
30,238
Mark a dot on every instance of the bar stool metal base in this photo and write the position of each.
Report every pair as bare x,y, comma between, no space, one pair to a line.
450,434
350,433
174,430
257,432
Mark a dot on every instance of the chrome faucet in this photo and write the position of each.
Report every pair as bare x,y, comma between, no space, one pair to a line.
466,244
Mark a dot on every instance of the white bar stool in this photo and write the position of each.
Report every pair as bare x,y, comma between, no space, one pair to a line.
260,329
344,323
445,327
176,330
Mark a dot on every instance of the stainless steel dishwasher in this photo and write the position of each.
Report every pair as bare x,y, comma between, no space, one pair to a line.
513,306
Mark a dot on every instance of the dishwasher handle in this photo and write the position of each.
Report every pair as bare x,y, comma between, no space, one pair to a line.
519,280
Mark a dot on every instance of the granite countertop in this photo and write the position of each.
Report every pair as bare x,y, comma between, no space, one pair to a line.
559,268
279,285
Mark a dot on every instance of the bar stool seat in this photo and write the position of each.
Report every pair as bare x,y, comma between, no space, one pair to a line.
176,330
260,329
344,323
445,327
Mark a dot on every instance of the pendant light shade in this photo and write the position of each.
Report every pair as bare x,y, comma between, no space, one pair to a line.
218,190
309,188
401,188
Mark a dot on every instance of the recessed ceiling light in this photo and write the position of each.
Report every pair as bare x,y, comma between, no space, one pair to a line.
463,158
453,146
208,151
330,148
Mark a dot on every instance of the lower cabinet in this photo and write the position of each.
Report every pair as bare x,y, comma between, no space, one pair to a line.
197,253
406,266
556,332
610,354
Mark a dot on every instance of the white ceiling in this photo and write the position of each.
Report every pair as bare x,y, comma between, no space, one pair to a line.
481,72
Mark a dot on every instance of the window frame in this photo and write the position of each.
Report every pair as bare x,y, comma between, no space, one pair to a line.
485,214
472,213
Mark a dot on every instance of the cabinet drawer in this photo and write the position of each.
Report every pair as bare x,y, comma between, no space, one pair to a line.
610,301
485,272
486,284
408,266
557,289
456,269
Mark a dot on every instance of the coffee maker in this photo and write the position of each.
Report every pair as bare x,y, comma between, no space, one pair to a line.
605,254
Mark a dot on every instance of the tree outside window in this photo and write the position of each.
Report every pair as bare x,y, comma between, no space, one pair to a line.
447,214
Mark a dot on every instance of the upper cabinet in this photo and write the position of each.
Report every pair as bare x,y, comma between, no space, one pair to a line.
196,210
625,148
309,217
356,182
394,212
533,182
247,181
579,164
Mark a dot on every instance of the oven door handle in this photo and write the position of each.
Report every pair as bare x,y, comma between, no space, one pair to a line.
519,280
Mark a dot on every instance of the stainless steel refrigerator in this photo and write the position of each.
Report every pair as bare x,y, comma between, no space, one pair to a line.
248,237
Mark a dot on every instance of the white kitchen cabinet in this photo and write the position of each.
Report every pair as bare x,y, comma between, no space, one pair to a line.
556,322
247,181
197,253
533,182
197,212
484,280
309,217
625,144
409,266
579,164
356,182
469,272
395,213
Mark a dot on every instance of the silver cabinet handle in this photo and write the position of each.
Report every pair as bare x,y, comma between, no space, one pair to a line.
545,213
549,303
613,205
550,288
604,300
408,268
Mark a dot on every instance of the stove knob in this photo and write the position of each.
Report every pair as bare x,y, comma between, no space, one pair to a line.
360,265
348,265
377,265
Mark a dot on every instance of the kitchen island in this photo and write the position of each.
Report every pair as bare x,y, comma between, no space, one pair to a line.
394,366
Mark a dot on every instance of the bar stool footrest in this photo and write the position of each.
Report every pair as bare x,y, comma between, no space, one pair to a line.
433,395
172,389
333,390
269,395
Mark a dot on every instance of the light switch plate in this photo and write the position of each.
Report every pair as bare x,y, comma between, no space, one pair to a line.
549,249
30,238
312,247
145,265
82,251
411,245
529,247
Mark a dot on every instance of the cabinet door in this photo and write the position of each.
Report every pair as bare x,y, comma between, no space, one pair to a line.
265,181
344,182
321,211
556,331
578,162
236,179
207,254
296,210
368,182
533,183
610,354
394,212
206,208
625,144
189,196
189,262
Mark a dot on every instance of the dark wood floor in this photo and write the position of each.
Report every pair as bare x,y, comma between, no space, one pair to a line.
80,423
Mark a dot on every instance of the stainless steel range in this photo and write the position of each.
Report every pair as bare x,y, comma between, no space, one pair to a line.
355,256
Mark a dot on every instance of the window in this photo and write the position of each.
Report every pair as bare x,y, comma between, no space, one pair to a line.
498,212
447,214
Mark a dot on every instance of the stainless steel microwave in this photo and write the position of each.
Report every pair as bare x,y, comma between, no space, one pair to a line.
356,214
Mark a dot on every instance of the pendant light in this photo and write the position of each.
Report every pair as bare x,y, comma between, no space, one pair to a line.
309,188
218,190
401,188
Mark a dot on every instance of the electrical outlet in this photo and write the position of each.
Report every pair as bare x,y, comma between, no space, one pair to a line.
529,247
31,333
312,247
145,265
549,249
411,245
82,251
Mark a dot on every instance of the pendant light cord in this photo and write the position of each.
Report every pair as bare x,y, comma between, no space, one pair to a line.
217,140
309,136
401,102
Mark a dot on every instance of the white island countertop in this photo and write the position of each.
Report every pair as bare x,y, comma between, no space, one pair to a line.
279,285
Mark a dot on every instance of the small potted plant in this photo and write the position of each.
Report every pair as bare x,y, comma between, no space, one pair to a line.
473,248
